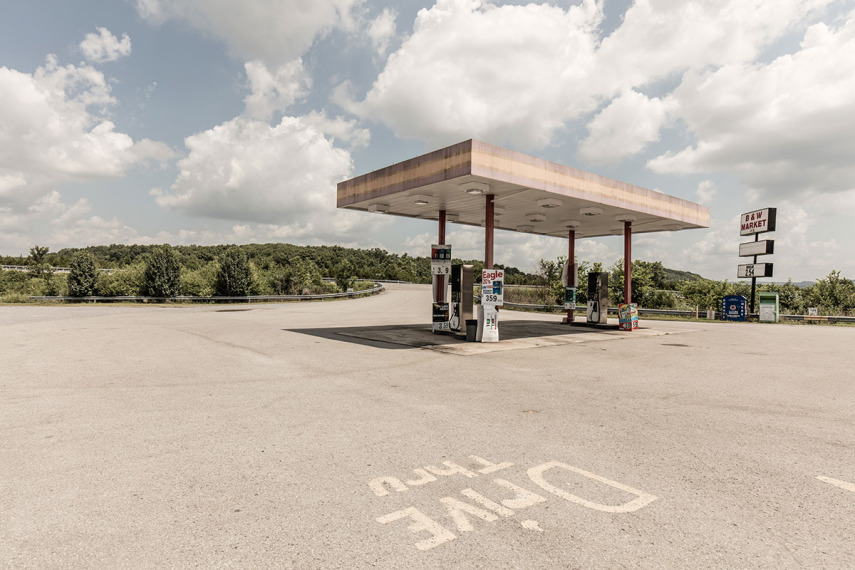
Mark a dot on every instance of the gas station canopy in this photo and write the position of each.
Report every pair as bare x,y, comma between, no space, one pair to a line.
531,195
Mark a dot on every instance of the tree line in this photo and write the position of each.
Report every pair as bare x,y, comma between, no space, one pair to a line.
285,269
167,271
657,287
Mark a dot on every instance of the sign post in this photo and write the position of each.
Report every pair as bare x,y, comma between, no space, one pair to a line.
755,223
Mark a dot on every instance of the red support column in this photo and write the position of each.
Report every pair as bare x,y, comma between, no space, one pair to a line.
440,279
627,262
488,233
571,259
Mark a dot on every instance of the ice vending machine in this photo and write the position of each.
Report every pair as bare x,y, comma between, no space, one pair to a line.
598,297
462,298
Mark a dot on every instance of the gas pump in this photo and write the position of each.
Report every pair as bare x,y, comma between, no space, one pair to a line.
492,297
462,281
440,268
598,297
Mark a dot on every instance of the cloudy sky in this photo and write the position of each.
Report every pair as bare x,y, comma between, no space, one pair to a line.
211,121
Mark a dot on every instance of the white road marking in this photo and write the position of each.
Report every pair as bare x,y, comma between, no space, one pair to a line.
485,502
532,525
457,509
523,497
837,483
452,469
490,467
461,512
379,485
421,522
425,478
643,499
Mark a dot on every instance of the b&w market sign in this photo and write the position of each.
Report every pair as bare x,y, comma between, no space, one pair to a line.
757,222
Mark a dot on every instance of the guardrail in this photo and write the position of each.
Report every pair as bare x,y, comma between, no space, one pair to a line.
331,279
676,313
187,298
819,319
47,269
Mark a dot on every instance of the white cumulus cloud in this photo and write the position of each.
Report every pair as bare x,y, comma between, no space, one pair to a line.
104,46
628,124
281,177
495,72
273,31
783,128
706,191
53,129
660,37
274,90
381,30
520,75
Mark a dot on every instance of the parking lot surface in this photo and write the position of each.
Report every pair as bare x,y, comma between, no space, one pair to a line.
346,435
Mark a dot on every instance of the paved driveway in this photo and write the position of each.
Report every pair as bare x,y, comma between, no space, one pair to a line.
345,435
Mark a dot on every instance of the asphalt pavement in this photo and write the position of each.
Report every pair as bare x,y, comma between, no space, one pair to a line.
346,435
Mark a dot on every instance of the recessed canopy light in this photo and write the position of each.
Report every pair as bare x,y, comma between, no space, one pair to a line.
549,203
571,224
625,218
421,199
382,208
591,211
535,217
475,187
525,229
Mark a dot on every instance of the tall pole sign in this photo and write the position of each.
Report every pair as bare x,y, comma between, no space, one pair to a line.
755,223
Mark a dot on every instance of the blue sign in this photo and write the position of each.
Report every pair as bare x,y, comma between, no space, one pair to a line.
734,308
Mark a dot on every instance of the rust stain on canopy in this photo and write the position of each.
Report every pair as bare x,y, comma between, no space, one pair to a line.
532,195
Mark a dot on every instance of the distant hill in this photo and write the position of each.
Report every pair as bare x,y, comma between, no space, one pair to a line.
678,275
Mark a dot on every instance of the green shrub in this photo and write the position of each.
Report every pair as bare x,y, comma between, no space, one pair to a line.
200,282
163,273
345,275
14,281
363,285
259,283
277,279
56,285
306,278
122,283
14,298
234,278
38,264
83,275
